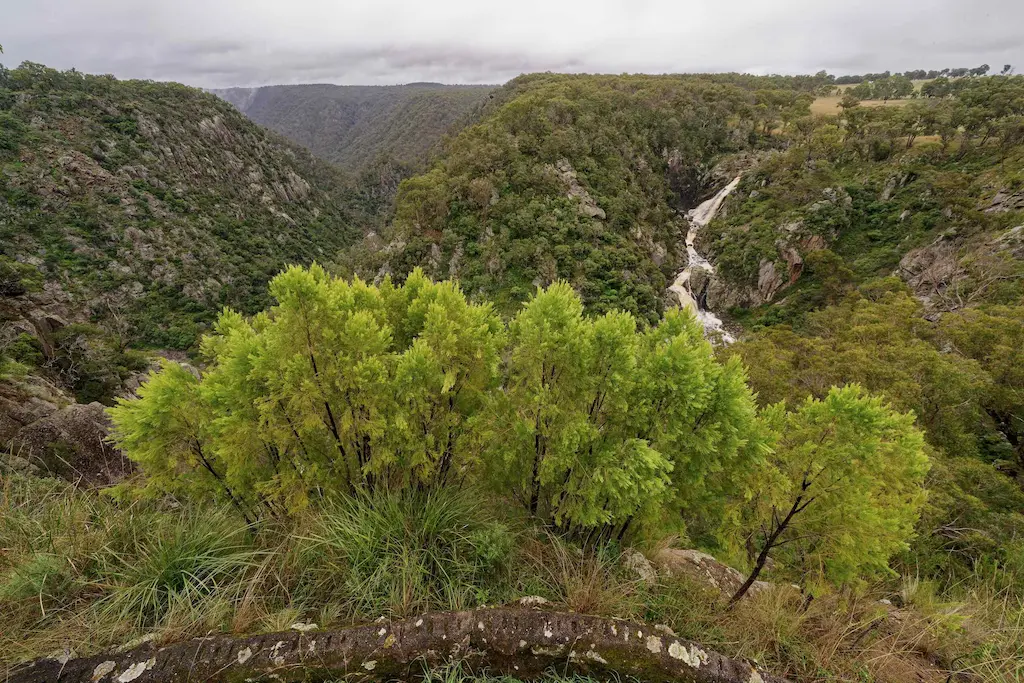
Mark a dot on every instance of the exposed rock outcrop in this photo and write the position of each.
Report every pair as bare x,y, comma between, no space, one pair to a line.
517,642
26,400
704,568
795,240
931,269
588,207
71,443
1011,242
1005,200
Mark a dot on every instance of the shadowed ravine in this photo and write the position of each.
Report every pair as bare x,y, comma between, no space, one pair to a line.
517,642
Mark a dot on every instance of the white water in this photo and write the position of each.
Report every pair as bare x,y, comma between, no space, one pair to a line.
698,218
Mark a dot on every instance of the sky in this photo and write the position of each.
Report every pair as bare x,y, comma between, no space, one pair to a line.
219,43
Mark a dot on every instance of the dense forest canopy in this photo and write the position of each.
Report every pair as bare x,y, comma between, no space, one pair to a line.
580,178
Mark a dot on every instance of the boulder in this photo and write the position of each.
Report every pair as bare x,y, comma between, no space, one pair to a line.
637,564
704,568
71,443
25,401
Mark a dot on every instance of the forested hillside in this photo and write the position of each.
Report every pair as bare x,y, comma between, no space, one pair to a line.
353,125
884,246
581,178
485,396
131,212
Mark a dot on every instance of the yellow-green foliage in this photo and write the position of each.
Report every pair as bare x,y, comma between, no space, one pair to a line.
342,387
598,422
841,491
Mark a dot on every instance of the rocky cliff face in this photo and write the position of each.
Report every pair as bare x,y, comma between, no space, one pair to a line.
781,264
43,431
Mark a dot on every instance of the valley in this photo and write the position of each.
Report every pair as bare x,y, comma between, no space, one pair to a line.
737,359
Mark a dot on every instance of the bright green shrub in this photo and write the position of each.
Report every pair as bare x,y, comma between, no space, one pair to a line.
346,387
841,491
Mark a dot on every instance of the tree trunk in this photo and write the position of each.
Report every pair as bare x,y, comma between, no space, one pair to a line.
771,542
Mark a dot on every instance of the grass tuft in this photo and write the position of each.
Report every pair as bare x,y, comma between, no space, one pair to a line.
399,554
173,568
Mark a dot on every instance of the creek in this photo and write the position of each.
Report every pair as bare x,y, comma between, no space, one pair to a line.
698,218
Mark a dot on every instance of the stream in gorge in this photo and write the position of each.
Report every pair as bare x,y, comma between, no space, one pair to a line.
698,218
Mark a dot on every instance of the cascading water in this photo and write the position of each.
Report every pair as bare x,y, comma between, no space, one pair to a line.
698,218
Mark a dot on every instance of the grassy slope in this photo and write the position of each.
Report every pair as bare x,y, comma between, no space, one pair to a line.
81,572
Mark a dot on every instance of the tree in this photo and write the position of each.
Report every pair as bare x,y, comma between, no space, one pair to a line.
338,387
849,101
841,490
994,337
167,431
1007,70
599,423
343,387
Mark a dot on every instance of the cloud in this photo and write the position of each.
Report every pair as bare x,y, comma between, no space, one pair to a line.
253,42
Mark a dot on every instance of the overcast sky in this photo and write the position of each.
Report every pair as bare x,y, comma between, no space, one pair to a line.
215,43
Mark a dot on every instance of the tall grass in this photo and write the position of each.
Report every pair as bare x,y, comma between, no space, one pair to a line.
81,572
399,554
589,581
183,565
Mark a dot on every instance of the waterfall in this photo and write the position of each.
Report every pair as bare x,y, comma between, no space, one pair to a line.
698,218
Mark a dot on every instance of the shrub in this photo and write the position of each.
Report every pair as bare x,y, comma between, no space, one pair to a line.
348,388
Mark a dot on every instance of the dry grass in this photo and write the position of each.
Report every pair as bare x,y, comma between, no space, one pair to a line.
65,556
580,581
855,637
825,106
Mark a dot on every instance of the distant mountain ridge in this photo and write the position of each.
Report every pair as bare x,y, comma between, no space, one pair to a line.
353,125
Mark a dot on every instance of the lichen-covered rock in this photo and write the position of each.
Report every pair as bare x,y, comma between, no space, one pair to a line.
636,563
517,642
704,568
